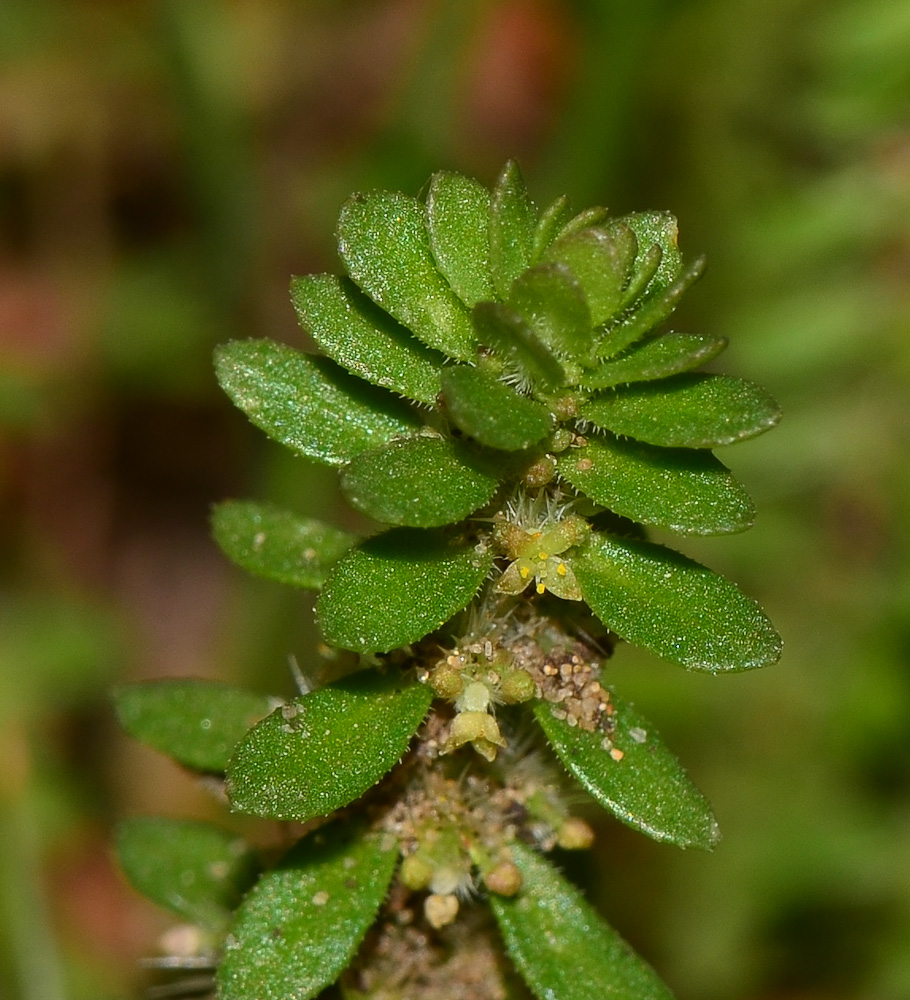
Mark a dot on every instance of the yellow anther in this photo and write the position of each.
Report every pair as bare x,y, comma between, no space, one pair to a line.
525,572
561,569
542,555
540,588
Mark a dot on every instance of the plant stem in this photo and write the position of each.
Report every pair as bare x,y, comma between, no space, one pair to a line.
30,941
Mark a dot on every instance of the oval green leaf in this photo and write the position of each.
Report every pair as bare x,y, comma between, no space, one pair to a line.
562,947
492,412
308,403
646,789
276,544
324,750
302,923
398,587
658,357
458,219
384,243
661,600
600,260
646,266
587,218
553,304
687,411
553,220
352,330
196,870
508,333
681,489
513,221
423,482
197,723
655,229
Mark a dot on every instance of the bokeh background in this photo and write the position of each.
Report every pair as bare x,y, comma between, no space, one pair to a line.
166,165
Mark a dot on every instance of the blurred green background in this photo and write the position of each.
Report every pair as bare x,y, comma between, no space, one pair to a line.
166,166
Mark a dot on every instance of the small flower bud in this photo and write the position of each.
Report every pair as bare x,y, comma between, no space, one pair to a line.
446,681
541,472
517,686
440,910
504,879
561,439
566,408
416,872
574,834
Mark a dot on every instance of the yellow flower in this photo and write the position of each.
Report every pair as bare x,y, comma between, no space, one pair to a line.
536,555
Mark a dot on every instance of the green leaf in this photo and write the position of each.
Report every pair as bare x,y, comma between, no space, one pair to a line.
398,587
677,488
196,722
492,412
649,313
661,600
308,403
302,923
458,218
193,869
647,788
513,221
507,333
587,218
687,411
646,266
658,357
561,945
600,261
660,229
324,750
553,304
384,243
277,544
552,220
420,481
361,337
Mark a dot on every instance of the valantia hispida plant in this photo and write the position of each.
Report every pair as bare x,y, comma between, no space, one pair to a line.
497,393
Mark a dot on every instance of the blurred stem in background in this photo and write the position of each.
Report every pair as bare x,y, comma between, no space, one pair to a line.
589,150
202,51
30,951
